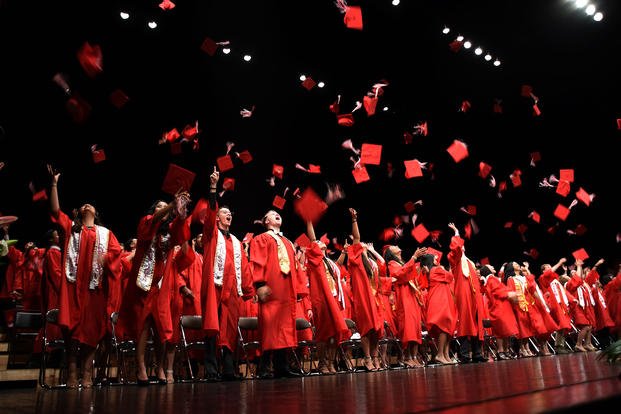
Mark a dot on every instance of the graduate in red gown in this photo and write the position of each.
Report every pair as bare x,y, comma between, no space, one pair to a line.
277,283
226,283
325,287
8,294
90,265
603,321
29,277
441,316
612,295
469,301
142,309
542,308
52,273
558,300
582,308
504,325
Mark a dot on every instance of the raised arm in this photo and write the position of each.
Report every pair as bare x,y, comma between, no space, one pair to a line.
54,203
355,232
375,254
310,231
559,264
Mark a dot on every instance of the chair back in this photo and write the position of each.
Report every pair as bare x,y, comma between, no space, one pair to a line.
248,323
28,320
301,324
51,316
350,324
191,322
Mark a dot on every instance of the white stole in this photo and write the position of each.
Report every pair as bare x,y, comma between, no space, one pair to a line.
220,260
102,236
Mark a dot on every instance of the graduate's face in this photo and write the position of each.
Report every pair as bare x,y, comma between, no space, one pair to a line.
225,217
395,250
272,218
55,237
159,206
87,209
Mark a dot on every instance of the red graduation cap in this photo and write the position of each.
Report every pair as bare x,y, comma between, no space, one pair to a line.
310,207
245,156
420,233
225,163
563,187
516,180
436,253
409,206
471,209
118,98
581,229
561,212
167,5
360,175
508,224
308,83
278,202
387,234
412,169
335,107
39,196
484,169
534,253
522,228
277,171
78,108
580,254
171,135
324,238
345,120
177,178
583,196
200,211
98,154
314,169
353,17
567,175
527,90
535,216
455,45
303,241
190,130
369,102
535,156
371,154
465,106
90,59
228,184
458,150
209,46
484,261
536,110
619,123
467,231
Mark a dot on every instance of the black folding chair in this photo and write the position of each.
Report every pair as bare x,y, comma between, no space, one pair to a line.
349,349
302,324
190,322
120,349
25,330
47,347
245,346
390,341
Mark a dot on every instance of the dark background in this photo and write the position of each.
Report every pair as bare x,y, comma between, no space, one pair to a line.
567,58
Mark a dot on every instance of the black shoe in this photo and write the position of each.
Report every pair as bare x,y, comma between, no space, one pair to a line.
142,383
265,375
212,377
230,377
464,360
288,373
479,358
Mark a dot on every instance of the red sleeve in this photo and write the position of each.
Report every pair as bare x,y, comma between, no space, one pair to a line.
454,256
258,258
497,290
247,285
400,272
63,221
147,228
53,269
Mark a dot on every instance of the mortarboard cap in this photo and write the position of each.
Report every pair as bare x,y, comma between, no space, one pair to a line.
353,17
278,202
561,212
277,171
412,169
458,150
484,169
309,83
225,163
437,253
371,154
303,241
310,207
580,254
228,184
209,46
563,187
98,154
78,108
345,120
420,233
583,196
245,156
369,102
39,196
90,59
177,178
118,98
567,175
360,175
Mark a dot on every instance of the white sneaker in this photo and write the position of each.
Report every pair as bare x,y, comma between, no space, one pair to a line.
355,336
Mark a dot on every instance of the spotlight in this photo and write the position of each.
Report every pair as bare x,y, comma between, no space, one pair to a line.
496,62
124,15
302,78
467,44
321,84
152,25
478,51
590,10
226,50
247,58
446,30
581,3
396,2
488,57
598,16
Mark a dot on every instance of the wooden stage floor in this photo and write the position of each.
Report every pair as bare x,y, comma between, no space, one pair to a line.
564,383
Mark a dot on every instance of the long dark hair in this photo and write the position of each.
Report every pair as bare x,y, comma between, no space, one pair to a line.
388,256
508,272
